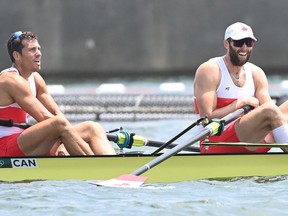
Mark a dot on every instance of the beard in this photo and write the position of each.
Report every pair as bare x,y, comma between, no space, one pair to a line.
235,60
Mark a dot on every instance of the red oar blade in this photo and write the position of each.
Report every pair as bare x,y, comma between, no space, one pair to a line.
127,180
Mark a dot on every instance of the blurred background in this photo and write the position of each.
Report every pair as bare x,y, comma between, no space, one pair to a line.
96,53
142,37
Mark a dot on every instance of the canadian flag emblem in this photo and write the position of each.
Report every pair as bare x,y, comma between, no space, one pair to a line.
244,28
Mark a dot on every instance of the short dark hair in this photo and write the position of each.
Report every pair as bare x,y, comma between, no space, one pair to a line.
14,42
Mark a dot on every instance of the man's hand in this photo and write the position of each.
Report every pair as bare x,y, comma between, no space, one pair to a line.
247,100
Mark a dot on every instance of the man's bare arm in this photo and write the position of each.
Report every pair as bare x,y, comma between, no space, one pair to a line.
20,92
44,96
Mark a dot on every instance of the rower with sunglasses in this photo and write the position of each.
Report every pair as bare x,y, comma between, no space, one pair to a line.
24,92
227,83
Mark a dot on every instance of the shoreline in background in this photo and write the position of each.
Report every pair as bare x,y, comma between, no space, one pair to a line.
132,74
278,84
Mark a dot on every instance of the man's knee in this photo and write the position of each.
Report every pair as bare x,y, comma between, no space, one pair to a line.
270,109
272,113
94,127
60,123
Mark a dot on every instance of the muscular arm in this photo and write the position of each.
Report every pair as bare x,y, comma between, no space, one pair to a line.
261,85
15,88
44,97
206,81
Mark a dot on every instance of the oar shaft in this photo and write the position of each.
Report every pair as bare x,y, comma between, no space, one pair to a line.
153,143
168,154
210,129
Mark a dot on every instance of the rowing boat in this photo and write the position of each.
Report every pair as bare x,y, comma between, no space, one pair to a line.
181,167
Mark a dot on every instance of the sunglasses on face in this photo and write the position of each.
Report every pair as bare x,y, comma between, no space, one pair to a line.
239,43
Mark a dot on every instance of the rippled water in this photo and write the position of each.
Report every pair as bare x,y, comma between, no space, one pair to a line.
241,196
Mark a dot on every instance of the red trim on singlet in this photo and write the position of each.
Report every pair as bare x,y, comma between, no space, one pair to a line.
9,144
221,102
14,113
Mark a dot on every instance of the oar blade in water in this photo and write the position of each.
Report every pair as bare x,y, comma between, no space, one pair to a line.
127,180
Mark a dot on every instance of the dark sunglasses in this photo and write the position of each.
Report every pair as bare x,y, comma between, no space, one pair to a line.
239,43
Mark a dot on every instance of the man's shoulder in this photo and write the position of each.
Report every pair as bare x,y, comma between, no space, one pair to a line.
11,69
6,73
254,68
11,78
212,61
211,65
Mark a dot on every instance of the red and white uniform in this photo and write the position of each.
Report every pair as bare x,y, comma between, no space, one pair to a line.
9,135
227,92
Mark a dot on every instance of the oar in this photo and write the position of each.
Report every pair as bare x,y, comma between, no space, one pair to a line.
213,128
179,135
125,140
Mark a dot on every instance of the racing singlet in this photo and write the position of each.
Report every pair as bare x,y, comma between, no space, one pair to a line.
227,92
14,111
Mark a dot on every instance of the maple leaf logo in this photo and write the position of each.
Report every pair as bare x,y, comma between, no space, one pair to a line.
244,28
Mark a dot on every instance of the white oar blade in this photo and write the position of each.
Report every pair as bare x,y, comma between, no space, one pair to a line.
127,180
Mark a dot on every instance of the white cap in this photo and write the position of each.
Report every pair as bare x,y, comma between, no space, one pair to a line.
238,31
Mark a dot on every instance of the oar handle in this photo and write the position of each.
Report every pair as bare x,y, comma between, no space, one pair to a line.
10,123
232,116
247,108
